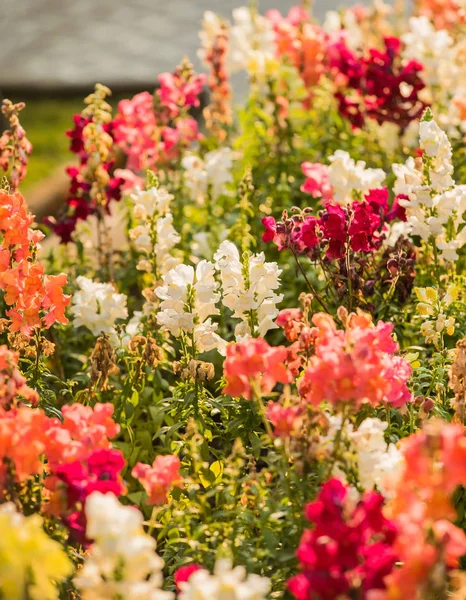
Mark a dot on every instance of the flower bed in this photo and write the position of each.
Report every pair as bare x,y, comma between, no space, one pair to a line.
261,393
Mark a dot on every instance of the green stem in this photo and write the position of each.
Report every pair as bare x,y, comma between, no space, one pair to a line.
311,287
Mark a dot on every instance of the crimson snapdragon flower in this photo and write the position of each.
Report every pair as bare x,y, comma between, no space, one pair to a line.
346,552
377,86
100,472
361,226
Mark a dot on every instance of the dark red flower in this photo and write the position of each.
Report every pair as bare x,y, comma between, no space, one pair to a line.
101,472
344,554
377,86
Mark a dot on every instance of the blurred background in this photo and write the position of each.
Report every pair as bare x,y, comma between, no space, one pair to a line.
53,51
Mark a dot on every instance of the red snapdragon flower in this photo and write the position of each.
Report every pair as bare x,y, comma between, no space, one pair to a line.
361,226
100,472
377,86
344,555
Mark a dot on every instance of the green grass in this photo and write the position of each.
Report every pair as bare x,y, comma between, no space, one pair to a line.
46,122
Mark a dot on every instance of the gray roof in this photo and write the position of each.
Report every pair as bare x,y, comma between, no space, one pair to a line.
74,43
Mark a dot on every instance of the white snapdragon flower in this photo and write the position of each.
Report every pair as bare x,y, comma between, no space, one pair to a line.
208,175
97,306
226,583
251,39
379,464
151,201
188,299
433,49
122,562
195,177
155,236
347,176
250,36
249,289
434,204
346,23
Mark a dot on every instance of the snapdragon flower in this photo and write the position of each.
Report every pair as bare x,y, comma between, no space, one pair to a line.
155,236
189,299
348,177
122,562
433,48
379,465
225,582
209,175
249,289
426,189
252,39
433,310
97,306
31,563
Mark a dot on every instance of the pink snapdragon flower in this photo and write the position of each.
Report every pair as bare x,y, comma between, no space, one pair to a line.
356,365
286,420
317,183
159,479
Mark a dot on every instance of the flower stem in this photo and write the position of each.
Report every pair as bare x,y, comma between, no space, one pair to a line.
311,287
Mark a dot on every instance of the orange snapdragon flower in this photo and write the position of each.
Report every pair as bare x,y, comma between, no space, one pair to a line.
36,300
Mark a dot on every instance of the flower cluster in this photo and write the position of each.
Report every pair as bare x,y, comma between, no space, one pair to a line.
252,41
13,384
422,507
98,306
248,285
435,50
301,41
214,41
159,478
122,561
189,300
434,204
356,365
208,176
286,420
31,563
152,130
15,147
92,185
359,227
379,464
347,552
253,367
156,236
381,86
36,299
77,450
444,13
432,310
76,481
